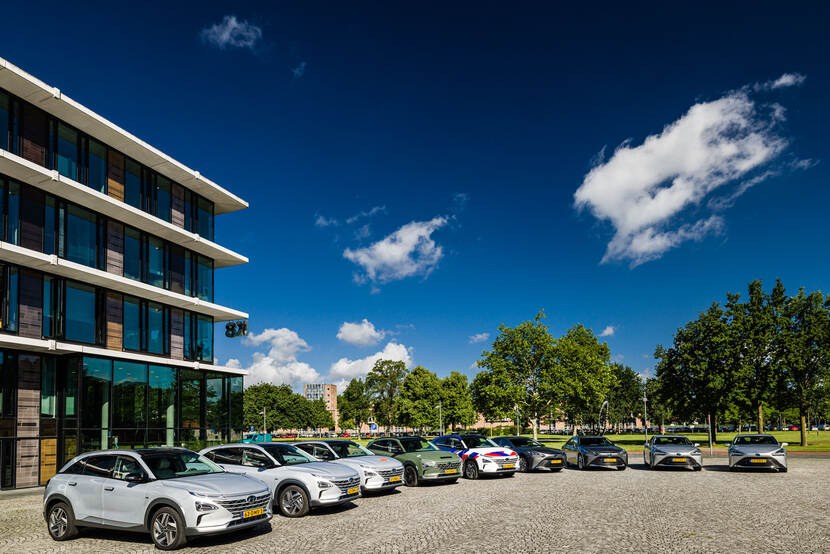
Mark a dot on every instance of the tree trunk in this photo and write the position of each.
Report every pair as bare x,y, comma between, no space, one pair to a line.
714,430
803,427
535,423
760,418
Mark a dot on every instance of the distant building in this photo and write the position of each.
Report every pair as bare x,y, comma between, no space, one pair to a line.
328,393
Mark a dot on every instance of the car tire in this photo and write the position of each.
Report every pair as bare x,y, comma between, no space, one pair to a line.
167,529
622,468
410,476
580,462
471,470
61,522
293,501
782,470
523,467
452,481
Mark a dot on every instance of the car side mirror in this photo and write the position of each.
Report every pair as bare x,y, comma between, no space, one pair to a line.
697,445
134,477
783,444
727,444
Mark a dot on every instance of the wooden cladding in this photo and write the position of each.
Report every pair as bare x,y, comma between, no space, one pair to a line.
31,305
34,135
115,248
26,470
176,334
115,175
48,459
115,321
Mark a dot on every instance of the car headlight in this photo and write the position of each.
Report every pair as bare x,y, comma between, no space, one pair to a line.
370,473
780,452
488,461
205,507
323,484
202,494
429,463
696,451
659,452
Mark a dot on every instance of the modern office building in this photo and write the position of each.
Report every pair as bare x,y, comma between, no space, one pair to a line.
107,315
317,391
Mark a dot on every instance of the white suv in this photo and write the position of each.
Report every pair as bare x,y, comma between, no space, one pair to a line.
172,493
298,481
376,472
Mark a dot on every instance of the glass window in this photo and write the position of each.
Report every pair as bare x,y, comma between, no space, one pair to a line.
4,121
3,188
132,323
205,218
13,215
191,397
132,184
162,397
50,217
129,389
163,198
48,390
31,218
8,385
71,391
157,329
82,236
132,253
176,268
204,338
189,285
215,405
188,336
155,261
80,312
97,171
67,151
189,210
97,377
236,392
12,307
205,278
51,305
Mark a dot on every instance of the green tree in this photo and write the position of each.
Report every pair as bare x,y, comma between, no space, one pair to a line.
625,399
384,383
697,376
354,405
320,416
280,403
805,344
490,396
657,410
524,361
586,371
456,402
420,393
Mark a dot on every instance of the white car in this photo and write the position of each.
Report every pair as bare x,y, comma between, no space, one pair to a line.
479,454
298,481
376,472
172,493
672,451
758,451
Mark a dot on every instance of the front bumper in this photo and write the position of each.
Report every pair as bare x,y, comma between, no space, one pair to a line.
229,516
334,496
384,480
678,460
763,461
607,460
548,463
487,464
446,470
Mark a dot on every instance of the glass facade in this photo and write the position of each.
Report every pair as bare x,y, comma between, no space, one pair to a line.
82,230
97,166
80,313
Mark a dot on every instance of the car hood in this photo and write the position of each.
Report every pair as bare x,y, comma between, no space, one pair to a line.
543,450
437,455
676,448
217,484
603,450
494,452
325,469
755,448
378,462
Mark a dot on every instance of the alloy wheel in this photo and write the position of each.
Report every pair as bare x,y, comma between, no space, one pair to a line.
522,464
580,462
165,529
410,477
58,522
292,502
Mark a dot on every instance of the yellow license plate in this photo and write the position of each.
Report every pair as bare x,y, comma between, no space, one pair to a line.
609,460
450,471
353,490
556,461
678,459
395,479
758,460
252,513
508,466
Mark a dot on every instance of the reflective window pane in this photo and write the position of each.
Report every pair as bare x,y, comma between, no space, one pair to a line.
12,303
4,121
204,338
205,218
236,392
132,253
80,312
205,278
67,151
132,323
97,170
216,415
95,388
50,218
162,397
48,389
13,216
129,389
82,236
163,198
155,261
156,328
132,184
191,397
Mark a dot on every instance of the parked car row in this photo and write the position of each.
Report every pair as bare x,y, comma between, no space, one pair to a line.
174,493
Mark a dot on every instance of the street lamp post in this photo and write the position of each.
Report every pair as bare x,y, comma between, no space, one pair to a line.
645,414
440,417
264,426
517,421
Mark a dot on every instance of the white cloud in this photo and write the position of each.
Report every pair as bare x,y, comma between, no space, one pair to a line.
360,334
362,232
784,81
232,32
479,337
299,71
407,252
323,221
280,364
374,211
345,369
646,191
608,331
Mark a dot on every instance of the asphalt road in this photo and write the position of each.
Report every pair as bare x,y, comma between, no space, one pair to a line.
592,511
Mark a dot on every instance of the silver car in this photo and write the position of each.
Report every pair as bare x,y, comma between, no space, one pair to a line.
672,451
376,472
595,451
172,493
298,481
759,451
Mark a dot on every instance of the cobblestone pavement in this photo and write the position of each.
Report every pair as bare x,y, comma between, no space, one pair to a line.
592,511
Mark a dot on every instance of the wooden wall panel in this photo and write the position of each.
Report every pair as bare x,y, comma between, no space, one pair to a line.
115,321
177,334
177,208
28,395
48,459
115,248
34,135
115,175
27,458
31,305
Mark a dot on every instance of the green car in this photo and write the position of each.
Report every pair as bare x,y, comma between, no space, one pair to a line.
421,460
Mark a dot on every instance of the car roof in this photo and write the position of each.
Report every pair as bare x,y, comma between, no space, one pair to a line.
755,435
668,435
139,451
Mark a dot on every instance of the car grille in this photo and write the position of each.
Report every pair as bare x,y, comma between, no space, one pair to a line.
388,473
449,465
248,520
345,484
508,460
236,507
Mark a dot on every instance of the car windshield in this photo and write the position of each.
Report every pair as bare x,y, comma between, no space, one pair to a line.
287,455
526,442
416,444
762,439
672,440
595,441
172,464
348,449
476,441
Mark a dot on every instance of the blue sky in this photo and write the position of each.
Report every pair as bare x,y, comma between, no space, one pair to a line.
438,170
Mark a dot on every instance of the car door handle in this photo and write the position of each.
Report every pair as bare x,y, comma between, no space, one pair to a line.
72,483
109,488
